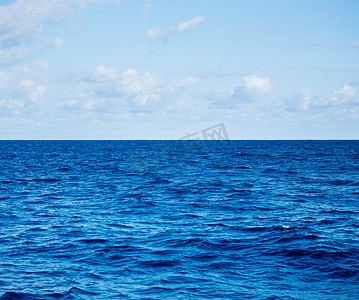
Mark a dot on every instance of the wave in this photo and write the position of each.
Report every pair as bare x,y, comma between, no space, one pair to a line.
72,293
149,220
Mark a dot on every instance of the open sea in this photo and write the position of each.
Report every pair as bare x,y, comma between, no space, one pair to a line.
179,220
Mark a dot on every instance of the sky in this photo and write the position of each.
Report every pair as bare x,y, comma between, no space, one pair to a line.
160,69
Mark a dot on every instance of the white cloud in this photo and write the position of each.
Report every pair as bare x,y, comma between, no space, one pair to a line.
343,101
156,33
134,82
12,55
256,85
83,102
129,91
108,82
12,106
34,14
110,91
253,87
21,87
144,102
145,8
298,102
189,24
41,64
22,22
188,81
102,74
58,42
3,80
348,94
33,91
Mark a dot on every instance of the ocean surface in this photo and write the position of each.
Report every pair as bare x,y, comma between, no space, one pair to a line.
179,220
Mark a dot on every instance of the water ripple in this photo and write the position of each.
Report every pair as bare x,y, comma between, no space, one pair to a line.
177,220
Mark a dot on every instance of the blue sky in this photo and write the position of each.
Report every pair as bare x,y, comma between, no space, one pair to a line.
141,69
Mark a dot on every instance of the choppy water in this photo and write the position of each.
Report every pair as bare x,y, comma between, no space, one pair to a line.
179,219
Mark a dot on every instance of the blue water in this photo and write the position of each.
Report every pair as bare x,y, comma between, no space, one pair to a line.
179,219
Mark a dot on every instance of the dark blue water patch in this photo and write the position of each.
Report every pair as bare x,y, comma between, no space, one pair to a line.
178,220
73,293
340,182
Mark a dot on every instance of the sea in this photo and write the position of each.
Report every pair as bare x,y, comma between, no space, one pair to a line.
179,219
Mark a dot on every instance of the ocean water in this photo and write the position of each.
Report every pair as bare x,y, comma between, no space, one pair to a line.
179,220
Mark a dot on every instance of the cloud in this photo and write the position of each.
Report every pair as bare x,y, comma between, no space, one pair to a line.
3,80
108,81
145,8
11,106
190,24
58,42
253,87
40,64
299,101
348,94
10,56
110,90
342,100
132,81
18,88
102,74
22,22
33,91
34,14
191,80
128,91
157,33
256,85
